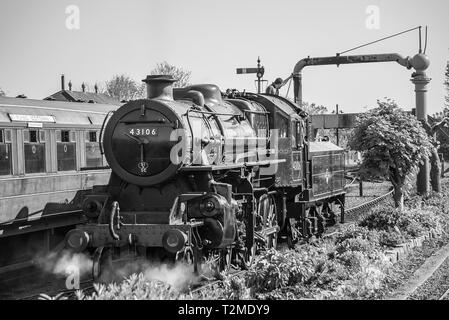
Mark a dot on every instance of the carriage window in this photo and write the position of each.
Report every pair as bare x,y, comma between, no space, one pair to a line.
66,150
33,136
5,153
92,136
34,147
93,154
281,124
65,136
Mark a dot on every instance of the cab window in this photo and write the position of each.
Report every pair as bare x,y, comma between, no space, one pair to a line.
34,150
66,150
5,152
281,124
260,123
298,130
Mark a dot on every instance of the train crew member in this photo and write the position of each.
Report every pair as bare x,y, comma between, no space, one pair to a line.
275,86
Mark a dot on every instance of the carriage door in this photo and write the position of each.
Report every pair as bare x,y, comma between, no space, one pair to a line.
296,143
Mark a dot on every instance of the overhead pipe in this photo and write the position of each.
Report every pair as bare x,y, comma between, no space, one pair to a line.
420,62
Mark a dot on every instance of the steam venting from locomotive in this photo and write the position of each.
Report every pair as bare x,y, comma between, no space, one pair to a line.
75,266
64,263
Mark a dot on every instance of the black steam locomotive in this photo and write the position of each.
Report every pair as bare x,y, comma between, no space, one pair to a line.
197,174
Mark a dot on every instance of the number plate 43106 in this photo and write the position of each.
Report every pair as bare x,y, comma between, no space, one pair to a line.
143,132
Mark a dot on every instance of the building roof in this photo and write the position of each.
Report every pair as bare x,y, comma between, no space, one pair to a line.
79,96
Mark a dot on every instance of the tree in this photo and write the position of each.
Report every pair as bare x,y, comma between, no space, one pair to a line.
2,93
393,144
313,108
435,165
122,87
182,76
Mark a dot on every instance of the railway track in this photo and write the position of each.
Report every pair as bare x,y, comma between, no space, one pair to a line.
86,286
368,204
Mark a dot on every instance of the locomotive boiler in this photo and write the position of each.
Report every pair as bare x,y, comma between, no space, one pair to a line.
198,174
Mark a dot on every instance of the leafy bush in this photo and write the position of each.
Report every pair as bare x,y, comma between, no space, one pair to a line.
355,261
330,273
413,228
274,269
425,217
391,238
136,287
351,232
381,218
231,288
396,226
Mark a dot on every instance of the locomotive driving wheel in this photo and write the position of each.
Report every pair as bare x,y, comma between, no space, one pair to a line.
270,221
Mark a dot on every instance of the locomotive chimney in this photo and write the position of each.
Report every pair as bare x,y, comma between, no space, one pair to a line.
62,82
159,87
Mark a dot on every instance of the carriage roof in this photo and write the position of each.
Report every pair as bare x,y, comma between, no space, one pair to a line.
57,112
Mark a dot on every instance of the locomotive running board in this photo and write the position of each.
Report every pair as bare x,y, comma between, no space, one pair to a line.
263,163
149,235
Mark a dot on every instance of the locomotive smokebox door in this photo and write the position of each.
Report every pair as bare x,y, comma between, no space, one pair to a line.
138,141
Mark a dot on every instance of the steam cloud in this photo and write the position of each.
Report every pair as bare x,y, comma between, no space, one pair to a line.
65,263
179,275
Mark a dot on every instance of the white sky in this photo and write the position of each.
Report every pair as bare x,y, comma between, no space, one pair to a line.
212,38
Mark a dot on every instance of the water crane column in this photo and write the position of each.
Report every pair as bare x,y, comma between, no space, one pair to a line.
420,63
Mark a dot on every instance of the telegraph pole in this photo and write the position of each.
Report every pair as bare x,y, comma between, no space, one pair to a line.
337,133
